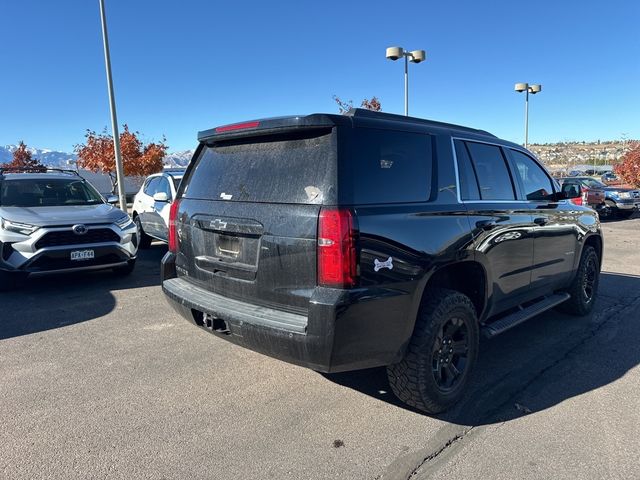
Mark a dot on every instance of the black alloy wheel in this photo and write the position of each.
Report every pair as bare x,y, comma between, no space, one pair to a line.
450,354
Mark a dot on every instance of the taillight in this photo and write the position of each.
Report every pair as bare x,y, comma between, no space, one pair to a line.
585,195
173,229
237,126
337,248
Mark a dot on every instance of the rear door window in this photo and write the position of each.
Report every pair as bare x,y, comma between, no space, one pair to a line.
469,189
491,170
285,168
386,166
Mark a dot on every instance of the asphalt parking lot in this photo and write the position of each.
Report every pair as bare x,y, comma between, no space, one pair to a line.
100,379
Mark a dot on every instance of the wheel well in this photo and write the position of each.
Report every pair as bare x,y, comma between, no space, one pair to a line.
596,242
468,278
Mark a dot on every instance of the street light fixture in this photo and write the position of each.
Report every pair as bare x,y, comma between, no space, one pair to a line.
528,89
415,56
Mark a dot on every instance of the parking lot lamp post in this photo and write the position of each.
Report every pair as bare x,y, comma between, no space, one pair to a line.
415,56
114,118
528,89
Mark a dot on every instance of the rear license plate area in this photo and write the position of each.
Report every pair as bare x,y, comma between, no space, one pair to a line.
80,255
228,246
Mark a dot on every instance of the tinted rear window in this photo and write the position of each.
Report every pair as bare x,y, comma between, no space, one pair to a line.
287,168
386,166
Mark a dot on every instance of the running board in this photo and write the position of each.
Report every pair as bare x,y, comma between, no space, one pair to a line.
524,314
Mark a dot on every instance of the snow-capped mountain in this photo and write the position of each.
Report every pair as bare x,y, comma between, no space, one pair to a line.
48,157
56,159
178,159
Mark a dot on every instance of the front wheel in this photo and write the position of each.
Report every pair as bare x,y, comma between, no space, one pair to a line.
441,354
144,240
584,287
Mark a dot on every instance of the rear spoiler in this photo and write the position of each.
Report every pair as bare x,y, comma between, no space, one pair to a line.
269,126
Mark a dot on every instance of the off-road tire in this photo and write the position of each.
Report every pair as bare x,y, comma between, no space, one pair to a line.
580,302
413,379
144,240
125,269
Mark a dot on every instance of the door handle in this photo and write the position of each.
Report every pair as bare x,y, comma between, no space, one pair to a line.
486,224
541,221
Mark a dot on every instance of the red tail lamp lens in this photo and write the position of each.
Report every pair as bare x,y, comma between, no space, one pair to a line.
237,126
336,249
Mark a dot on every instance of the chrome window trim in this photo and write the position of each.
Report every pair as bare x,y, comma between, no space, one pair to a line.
455,167
455,157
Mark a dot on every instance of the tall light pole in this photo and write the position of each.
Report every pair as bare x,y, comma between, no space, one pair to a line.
415,56
114,118
528,89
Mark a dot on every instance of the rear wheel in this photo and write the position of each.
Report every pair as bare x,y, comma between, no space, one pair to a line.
125,269
144,240
584,287
441,354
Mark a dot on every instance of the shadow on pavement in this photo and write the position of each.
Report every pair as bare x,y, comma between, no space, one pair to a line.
52,301
566,350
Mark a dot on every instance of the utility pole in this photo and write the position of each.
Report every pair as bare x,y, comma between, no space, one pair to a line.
114,119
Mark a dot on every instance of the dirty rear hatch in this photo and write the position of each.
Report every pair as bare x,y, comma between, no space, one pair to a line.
249,210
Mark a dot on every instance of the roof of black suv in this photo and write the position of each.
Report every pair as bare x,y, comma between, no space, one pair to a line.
355,116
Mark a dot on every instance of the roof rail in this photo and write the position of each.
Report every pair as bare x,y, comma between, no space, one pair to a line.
4,170
363,112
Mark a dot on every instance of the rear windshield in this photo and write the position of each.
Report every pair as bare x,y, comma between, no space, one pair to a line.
287,168
386,166
44,192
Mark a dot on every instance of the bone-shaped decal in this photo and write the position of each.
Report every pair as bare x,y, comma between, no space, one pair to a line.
378,265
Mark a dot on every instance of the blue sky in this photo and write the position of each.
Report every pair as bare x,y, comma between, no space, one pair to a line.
184,66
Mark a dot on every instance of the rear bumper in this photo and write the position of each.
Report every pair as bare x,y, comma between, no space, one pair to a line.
343,330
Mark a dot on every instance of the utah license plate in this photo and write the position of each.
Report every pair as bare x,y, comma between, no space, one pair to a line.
82,255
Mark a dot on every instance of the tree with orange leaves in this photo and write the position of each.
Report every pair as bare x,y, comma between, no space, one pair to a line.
629,168
22,158
344,107
97,154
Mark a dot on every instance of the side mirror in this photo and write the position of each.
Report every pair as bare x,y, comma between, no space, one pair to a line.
570,190
160,197
112,199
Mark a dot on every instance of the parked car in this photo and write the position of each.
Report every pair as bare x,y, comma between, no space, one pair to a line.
610,178
54,220
342,242
620,201
152,203
591,194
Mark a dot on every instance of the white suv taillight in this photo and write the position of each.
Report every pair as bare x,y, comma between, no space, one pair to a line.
336,248
585,195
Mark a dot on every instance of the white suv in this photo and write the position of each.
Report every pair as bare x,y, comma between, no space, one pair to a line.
53,220
152,203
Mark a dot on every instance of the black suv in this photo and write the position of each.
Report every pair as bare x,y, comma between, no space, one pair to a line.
342,242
